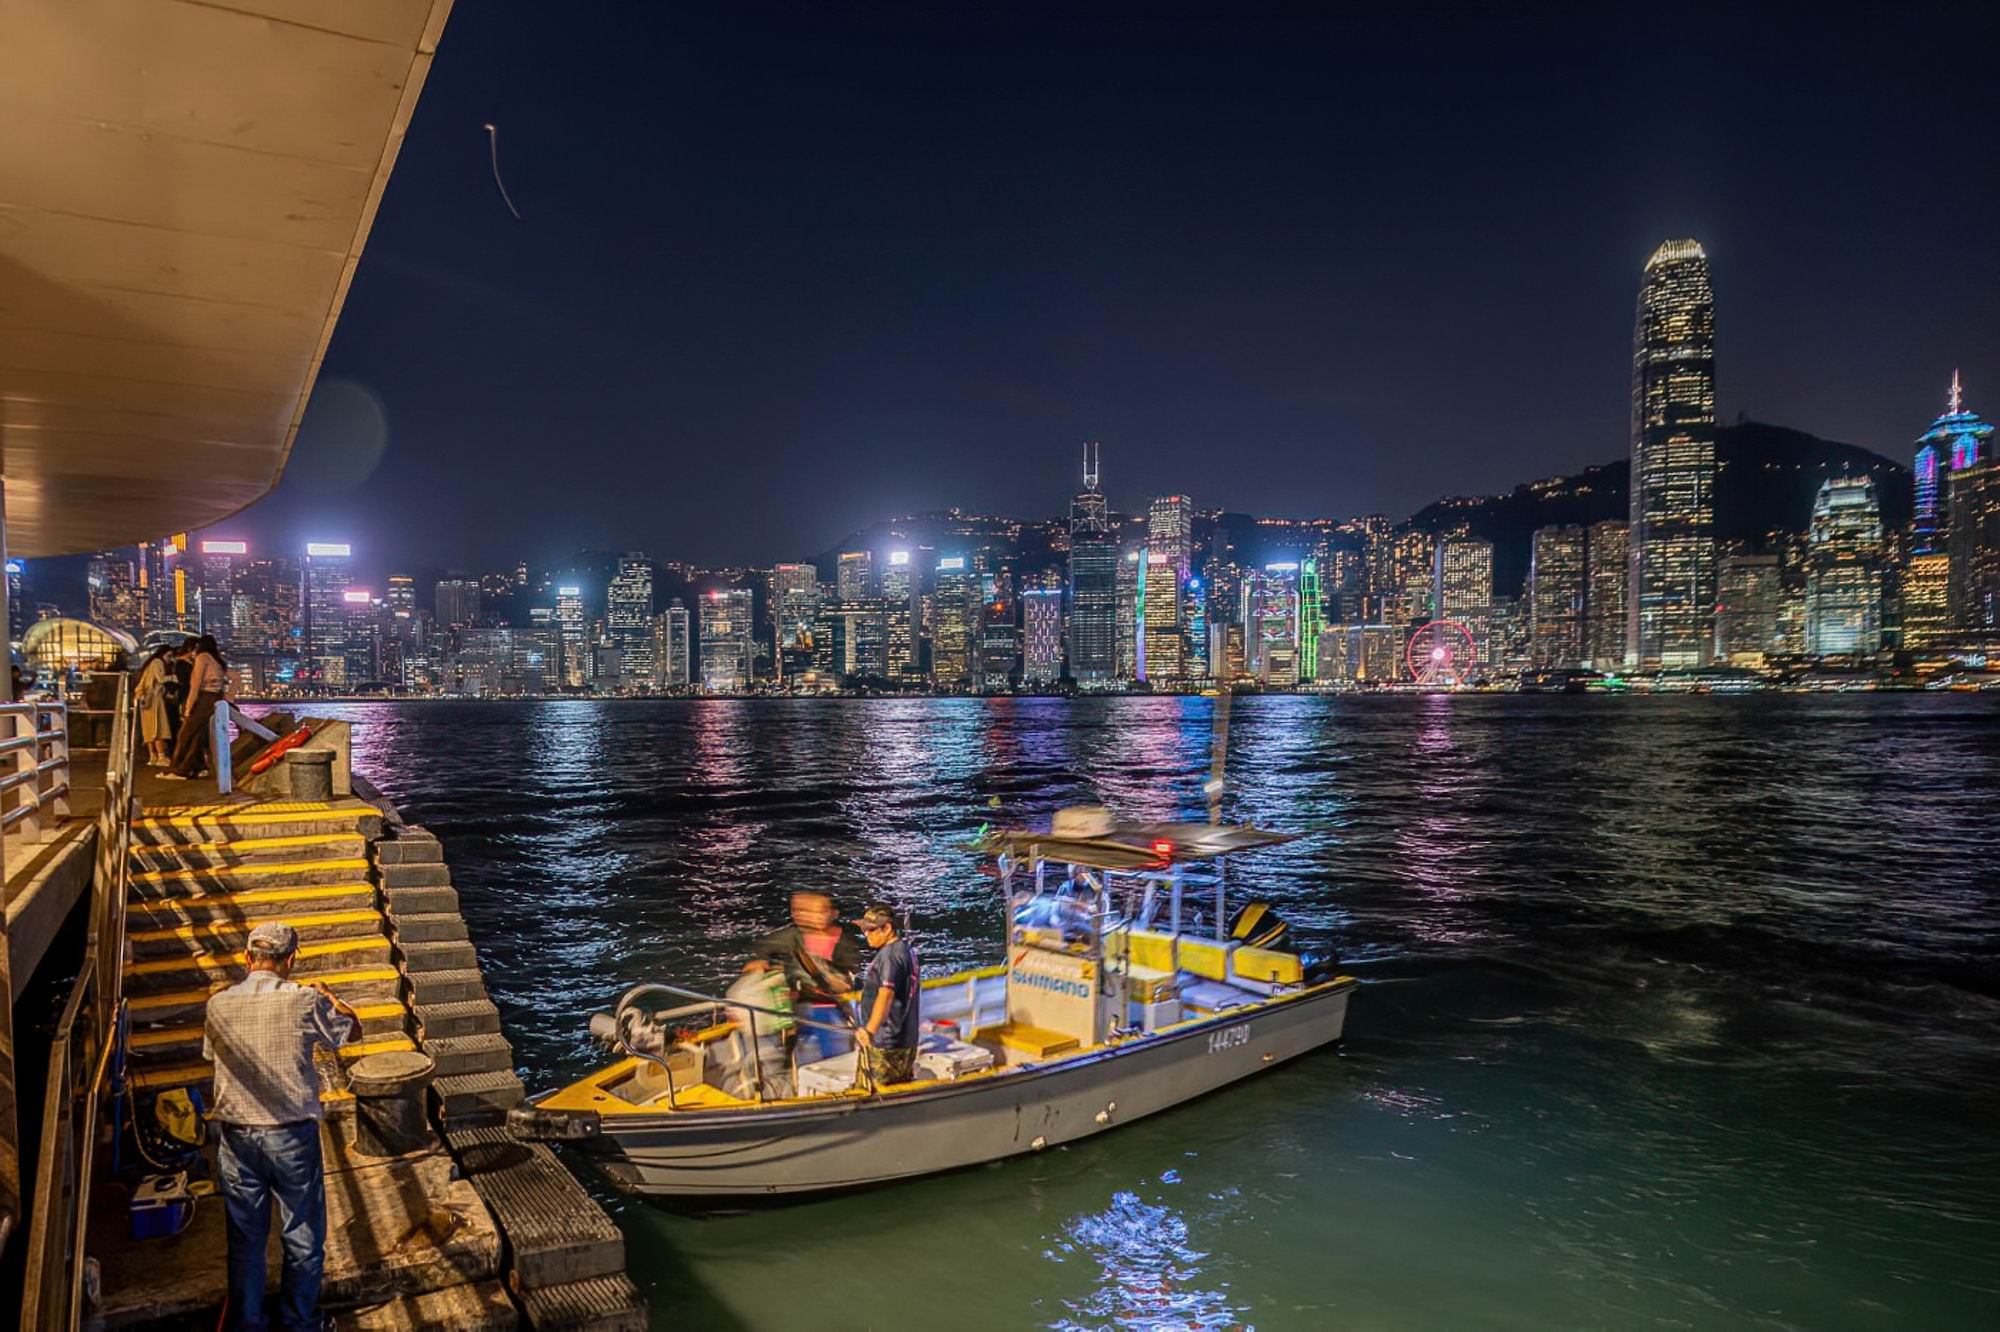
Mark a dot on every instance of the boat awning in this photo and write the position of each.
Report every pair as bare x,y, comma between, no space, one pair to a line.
185,189
1134,846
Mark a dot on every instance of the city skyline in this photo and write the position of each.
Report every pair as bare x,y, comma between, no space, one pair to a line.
935,263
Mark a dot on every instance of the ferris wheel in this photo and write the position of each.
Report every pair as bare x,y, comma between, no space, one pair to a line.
1441,653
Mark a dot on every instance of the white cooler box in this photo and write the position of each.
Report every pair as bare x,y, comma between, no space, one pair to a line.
945,1059
828,1075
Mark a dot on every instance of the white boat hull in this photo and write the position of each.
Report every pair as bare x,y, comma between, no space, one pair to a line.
850,1142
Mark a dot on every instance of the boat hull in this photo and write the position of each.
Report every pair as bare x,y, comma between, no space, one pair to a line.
853,1142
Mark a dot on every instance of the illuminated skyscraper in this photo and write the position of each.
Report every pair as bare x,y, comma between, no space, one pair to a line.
1606,623
1975,547
216,587
628,614
1160,596
1558,592
1750,594
323,611
1312,618
1271,624
726,622
1093,583
1170,531
574,635
1670,608
955,627
1927,600
457,603
900,592
1131,616
1041,624
1844,562
1957,440
670,647
1461,576
999,647
855,574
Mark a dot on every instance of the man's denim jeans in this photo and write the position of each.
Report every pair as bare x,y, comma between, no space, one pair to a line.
258,1165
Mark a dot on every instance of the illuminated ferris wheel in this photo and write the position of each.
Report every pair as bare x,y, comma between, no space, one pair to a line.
1440,653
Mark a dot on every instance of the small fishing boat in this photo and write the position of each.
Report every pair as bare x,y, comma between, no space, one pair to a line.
1126,990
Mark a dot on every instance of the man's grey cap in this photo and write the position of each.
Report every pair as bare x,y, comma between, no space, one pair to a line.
274,939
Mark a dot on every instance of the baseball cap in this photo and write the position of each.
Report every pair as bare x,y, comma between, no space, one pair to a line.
273,939
876,916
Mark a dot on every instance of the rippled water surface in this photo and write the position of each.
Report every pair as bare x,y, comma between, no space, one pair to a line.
1689,1013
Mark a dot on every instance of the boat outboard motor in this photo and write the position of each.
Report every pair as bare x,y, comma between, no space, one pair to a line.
638,1029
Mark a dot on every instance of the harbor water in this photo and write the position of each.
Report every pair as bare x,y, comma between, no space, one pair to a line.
1683,1012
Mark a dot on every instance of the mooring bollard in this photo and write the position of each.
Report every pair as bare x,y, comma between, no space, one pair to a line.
389,1109
310,772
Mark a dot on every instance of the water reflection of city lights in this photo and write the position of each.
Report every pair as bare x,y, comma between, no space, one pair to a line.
1149,1275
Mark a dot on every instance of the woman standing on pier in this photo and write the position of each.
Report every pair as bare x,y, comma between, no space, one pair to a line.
156,724
206,685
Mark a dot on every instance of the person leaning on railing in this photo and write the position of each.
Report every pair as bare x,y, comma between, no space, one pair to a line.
207,682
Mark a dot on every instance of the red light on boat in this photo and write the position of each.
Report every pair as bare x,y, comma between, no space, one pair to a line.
1163,848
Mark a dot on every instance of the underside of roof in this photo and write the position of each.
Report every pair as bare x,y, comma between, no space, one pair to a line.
185,189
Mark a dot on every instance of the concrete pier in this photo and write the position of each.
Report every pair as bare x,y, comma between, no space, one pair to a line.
471,1230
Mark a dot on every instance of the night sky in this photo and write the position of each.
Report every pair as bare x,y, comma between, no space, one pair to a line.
785,270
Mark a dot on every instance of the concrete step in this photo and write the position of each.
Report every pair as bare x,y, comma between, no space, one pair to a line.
180,1042
429,927
468,1307
467,1017
419,901
414,875
454,986
252,906
357,985
315,960
222,854
151,1075
228,936
248,875
476,1100
456,1055
187,825
555,1232
601,1304
447,955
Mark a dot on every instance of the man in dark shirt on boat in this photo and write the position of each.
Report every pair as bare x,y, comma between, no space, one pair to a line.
889,1003
819,956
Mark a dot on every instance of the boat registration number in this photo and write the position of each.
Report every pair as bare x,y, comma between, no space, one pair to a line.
1228,1038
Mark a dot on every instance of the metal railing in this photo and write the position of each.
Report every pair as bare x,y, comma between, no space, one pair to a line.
80,1057
34,764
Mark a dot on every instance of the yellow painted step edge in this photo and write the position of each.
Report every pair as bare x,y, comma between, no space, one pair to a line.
304,892
246,843
220,961
158,812
178,1035
272,867
184,1074
215,929
170,998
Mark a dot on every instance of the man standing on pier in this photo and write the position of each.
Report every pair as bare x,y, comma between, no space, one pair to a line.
261,1033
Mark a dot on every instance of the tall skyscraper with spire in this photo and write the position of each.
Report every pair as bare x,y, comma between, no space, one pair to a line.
1671,608
1957,440
1093,581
